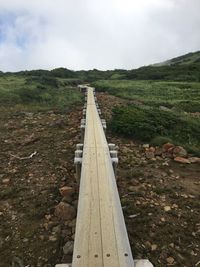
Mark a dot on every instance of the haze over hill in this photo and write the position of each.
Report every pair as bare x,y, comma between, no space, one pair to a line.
190,58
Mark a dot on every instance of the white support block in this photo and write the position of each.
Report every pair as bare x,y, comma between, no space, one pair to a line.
112,146
79,147
143,263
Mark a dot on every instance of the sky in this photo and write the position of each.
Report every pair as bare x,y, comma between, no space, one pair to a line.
101,34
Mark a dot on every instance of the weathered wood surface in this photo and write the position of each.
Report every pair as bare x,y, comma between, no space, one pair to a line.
101,238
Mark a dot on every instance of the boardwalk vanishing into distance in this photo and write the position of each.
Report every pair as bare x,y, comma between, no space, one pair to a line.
101,238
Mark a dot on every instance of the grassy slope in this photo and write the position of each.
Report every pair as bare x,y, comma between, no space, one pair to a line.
189,58
147,120
37,92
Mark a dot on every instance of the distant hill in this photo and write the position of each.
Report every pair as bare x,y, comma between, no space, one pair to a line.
190,58
183,68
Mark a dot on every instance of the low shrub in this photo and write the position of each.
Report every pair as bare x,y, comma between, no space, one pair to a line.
148,124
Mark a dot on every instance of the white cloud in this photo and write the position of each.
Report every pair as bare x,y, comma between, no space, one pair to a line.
104,34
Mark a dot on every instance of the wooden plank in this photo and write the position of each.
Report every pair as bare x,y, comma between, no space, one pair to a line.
101,238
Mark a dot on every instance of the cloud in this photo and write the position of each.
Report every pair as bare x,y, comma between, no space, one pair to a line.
103,34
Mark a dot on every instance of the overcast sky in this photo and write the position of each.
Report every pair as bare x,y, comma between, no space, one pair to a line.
103,34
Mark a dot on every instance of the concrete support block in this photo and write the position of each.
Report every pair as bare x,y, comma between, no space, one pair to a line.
137,263
114,159
84,112
113,147
79,147
99,111
78,163
143,263
104,124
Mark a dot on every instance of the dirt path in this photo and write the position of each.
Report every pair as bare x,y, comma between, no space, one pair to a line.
29,231
160,201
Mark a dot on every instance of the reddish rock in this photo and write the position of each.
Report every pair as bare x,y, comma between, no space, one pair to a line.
182,160
171,150
152,149
167,146
64,211
66,191
179,152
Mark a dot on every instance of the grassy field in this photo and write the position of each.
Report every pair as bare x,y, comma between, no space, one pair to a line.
40,92
183,96
157,109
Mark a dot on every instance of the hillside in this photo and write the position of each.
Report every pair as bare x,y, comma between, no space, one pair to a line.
190,58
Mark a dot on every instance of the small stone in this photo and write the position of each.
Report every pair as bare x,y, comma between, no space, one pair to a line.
41,237
179,151
152,149
182,160
131,188
194,160
167,208
149,154
165,164
66,191
154,247
145,146
170,260
65,211
56,229
48,216
68,248
52,238
167,146
6,181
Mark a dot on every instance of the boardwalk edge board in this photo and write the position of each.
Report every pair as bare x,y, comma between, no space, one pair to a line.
101,238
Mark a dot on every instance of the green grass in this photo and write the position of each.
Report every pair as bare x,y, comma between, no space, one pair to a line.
40,92
147,121
183,96
150,125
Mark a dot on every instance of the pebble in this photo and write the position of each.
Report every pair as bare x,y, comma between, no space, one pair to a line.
52,238
167,208
170,260
68,247
154,247
6,181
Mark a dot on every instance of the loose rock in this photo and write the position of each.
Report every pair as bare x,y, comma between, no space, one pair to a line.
64,211
182,160
68,248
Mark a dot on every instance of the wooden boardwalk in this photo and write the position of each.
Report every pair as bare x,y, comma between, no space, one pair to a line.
101,238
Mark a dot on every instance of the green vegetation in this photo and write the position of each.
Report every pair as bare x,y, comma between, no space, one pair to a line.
190,58
37,91
157,111
183,96
150,125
